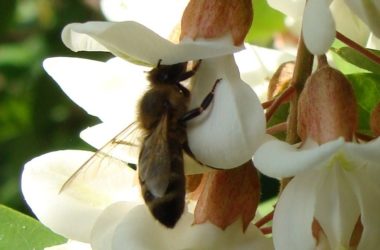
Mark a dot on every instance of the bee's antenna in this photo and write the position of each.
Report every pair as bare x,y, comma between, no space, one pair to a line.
159,63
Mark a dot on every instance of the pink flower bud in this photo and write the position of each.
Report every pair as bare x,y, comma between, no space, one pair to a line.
213,19
228,195
327,107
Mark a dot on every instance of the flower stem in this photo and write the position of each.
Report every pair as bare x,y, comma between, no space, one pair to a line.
267,218
280,127
266,230
358,47
285,96
302,70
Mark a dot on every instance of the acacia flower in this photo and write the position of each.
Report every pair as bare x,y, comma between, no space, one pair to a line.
335,184
354,18
107,212
332,200
211,135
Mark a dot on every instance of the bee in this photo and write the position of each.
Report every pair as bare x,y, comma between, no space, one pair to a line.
162,114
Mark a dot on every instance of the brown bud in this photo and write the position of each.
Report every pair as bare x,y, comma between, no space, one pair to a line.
228,195
280,81
214,18
375,120
327,107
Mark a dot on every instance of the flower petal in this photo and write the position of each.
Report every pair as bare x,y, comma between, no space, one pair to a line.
367,152
123,10
228,132
367,190
318,26
295,209
130,230
368,11
71,245
133,40
337,209
348,23
290,160
257,65
100,87
291,8
72,212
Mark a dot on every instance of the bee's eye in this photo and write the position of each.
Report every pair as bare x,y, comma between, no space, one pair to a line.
164,77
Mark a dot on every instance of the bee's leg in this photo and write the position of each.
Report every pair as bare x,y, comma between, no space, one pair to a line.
191,72
205,103
188,151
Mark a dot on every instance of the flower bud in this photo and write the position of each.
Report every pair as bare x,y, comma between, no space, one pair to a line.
327,107
375,120
280,81
213,19
228,195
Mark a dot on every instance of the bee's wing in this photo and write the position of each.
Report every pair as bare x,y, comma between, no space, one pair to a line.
98,162
154,160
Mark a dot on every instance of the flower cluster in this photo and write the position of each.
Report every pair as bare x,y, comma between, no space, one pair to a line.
330,193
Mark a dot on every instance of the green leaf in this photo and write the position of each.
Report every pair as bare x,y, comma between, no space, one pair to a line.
21,232
367,92
280,116
354,57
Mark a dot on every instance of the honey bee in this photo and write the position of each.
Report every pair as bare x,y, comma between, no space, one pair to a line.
162,114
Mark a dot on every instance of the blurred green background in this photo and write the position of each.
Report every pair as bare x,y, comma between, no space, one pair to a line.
35,115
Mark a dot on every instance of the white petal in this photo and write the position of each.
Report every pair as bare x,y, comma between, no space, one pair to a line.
133,40
130,230
337,209
373,42
228,132
318,26
71,245
123,10
257,65
72,212
368,11
367,189
348,23
289,160
367,152
291,8
107,90
294,213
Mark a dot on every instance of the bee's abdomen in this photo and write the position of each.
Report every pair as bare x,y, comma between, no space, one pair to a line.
169,208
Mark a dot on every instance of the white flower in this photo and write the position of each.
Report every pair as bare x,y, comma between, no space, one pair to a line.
335,183
212,134
322,17
106,212
71,245
161,16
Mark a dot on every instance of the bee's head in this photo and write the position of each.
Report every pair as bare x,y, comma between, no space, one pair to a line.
167,74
